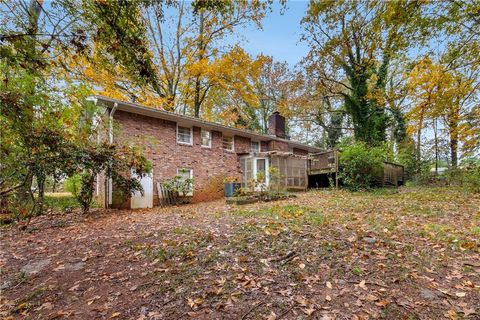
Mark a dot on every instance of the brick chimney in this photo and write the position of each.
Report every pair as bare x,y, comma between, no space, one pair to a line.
276,125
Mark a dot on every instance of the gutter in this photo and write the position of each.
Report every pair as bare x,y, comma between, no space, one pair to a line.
172,116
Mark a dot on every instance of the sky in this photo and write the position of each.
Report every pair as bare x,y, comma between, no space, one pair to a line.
280,36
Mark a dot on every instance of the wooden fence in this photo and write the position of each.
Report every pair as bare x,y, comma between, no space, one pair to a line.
167,197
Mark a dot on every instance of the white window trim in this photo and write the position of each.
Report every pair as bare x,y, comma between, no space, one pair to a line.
211,139
259,145
191,136
233,144
184,168
255,170
191,177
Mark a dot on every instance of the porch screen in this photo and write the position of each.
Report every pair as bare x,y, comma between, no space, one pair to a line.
292,171
246,164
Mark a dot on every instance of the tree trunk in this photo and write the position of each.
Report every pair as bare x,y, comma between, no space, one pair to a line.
35,7
197,99
453,119
436,145
453,152
41,191
419,137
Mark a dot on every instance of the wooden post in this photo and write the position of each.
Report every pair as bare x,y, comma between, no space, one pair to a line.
336,169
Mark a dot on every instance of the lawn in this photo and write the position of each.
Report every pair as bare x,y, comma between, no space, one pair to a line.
411,253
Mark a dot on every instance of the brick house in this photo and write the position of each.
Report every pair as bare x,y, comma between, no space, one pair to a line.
206,151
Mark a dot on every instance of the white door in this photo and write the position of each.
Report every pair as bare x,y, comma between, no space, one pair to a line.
260,170
137,201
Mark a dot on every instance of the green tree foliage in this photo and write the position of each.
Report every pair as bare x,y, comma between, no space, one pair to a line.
115,162
176,59
352,45
120,35
72,184
46,121
361,165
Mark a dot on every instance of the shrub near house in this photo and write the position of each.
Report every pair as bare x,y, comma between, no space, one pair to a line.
361,166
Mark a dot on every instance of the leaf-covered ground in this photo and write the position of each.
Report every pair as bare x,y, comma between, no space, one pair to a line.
395,254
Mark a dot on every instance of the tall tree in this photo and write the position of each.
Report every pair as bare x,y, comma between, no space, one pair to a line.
352,45
170,49
446,95
314,109
46,122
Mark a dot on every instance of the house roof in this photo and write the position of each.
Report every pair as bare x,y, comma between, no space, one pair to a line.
189,121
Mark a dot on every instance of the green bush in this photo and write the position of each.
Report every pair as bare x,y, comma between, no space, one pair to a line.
467,175
180,186
61,202
415,169
361,165
471,180
73,184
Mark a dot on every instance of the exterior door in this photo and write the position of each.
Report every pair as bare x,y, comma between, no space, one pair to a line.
260,173
139,201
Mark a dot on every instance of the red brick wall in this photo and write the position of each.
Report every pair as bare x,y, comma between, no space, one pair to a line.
158,140
210,166
242,144
277,146
264,146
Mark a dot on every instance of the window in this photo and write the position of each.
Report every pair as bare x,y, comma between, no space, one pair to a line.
255,146
246,165
185,175
206,139
227,143
184,135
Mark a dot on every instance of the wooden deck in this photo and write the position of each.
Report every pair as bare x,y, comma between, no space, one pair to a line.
328,162
323,162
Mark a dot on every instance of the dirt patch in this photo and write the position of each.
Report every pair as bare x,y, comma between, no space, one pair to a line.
328,255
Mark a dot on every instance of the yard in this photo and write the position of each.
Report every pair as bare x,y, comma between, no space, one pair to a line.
411,253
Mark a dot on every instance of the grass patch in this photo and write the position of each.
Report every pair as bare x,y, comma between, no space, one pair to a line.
27,303
357,271
62,202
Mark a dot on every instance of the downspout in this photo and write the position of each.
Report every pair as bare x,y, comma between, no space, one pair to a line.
109,181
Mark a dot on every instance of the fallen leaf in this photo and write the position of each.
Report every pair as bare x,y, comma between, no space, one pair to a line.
302,301
372,298
221,281
362,285
271,316
265,262
452,314
46,306
468,312
75,287
309,311
194,303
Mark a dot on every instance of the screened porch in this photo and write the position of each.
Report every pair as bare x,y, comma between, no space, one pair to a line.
274,169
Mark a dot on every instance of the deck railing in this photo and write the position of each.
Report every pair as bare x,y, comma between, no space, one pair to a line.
324,162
